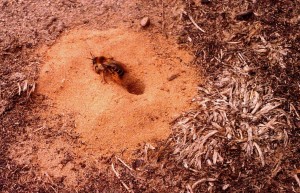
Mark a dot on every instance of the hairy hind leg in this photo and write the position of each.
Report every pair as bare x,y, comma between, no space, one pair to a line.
103,76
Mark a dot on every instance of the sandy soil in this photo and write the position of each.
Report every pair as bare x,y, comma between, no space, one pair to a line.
107,116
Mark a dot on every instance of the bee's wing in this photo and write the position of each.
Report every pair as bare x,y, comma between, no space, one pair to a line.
119,64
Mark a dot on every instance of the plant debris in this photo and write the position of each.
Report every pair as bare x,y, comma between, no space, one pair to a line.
237,110
243,136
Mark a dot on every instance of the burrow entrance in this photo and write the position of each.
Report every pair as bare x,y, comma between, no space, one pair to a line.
112,118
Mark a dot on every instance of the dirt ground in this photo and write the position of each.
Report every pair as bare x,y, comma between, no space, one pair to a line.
107,117
65,130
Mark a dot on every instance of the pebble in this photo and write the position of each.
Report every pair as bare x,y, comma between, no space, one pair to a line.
145,22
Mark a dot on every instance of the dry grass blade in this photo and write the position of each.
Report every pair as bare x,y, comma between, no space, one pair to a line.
31,90
126,165
276,169
261,155
268,107
297,179
114,170
19,89
119,177
208,136
189,188
25,86
193,21
225,187
146,148
292,107
203,180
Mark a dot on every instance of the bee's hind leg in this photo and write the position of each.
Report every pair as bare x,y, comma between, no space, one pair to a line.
103,76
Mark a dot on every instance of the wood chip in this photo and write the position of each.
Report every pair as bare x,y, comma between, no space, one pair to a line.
174,76
243,16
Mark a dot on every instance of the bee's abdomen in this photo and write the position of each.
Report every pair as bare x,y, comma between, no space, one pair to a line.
115,68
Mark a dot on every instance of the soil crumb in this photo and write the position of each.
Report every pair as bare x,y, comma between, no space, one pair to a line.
109,117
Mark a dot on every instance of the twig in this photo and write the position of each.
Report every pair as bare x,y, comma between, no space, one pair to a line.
276,169
189,188
126,165
51,181
49,178
118,176
113,168
42,127
193,21
297,179
38,129
295,110
203,180
260,153
148,146
19,89
53,189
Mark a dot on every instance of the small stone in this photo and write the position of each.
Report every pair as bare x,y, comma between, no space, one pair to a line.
145,22
174,76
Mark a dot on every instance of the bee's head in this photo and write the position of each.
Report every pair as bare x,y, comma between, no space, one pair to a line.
102,59
94,60
98,60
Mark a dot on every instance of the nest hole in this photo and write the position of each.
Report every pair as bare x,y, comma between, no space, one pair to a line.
136,87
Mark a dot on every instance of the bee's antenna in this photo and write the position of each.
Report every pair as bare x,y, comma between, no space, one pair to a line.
92,55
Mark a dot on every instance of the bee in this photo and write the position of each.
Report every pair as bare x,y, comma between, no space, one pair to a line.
110,66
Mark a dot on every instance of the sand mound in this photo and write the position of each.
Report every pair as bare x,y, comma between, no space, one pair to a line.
110,117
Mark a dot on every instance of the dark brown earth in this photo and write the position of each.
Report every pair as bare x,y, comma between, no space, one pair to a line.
34,130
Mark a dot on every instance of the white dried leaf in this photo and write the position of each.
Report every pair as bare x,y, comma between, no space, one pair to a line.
260,154
216,125
268,107
25,86
209,163
220,158
19,89
286,138
256,107
215,156
185,164
203,90
250,138
225,187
